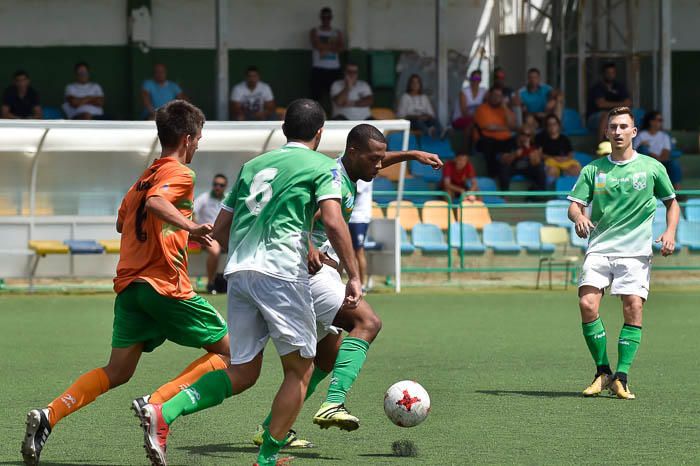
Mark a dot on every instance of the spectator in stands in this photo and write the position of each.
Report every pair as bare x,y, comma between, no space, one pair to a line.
603,96
539,99
526,160
499,79
206,208
326,45
20,100
557,150
352,97
458,176
252,99
84,99
469,100
359,224
416,108
495,124
159,91
653,141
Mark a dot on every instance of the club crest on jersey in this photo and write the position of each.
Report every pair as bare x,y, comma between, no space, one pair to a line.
639,180
600,180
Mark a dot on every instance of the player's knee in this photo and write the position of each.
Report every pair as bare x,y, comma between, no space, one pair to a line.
374,324
632,307
588,305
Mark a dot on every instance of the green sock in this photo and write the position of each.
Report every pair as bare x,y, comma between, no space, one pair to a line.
316,377
269,449
210,390
594,333
627,345
351,357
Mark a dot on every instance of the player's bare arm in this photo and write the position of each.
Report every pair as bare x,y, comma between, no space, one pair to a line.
668,238
167,212
222,227
339,236
426,158
583,224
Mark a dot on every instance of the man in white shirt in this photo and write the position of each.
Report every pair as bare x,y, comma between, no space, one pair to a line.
252,99
359,223
352,98
84,99
206,208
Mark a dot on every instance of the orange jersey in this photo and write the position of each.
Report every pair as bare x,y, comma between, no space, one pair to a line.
151,249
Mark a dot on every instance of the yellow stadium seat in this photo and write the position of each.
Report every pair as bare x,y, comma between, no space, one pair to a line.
281,111
383,113
393,172
377,211
558,236
436,212
409,214
475,213
111,246
44,247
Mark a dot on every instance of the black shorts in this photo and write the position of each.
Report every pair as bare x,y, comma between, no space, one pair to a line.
358,233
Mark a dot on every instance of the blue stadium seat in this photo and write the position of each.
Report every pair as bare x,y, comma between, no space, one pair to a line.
382,184
571,123
428,238
499,237
565,184
692,210
52,113
441,147
556,213
425,172
583,158
77,246
394,141
416,184
638,115
689,235
580,243
470,243
406,247
528,237
488,184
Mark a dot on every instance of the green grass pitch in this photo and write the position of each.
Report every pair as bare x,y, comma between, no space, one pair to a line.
503,368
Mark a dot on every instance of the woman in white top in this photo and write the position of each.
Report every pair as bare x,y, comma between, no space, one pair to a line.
416,108
653,141
469,99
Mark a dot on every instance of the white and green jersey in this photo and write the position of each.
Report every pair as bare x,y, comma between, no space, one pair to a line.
273,203
348,191
623,197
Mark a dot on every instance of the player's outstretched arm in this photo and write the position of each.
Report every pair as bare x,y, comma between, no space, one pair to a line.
668,238
339,236
222,227
577,214
426,158
168,213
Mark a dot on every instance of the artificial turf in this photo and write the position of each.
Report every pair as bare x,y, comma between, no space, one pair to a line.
504,370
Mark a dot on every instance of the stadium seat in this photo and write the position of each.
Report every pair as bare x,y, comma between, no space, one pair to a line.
499,237
281,112
394,141
576,241
43,248
470,242
416,184
52,113
571,123
77,246
383,113
638,115
692,210
528,237
428,238
583,158
425,172
556,213
406,247
393,172
565,184
689,235
441,147
409,214
438,213
377,211
111,246
488,184
475,213
556,236
382,184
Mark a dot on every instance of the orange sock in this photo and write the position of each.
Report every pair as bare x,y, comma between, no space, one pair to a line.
207,363
83,392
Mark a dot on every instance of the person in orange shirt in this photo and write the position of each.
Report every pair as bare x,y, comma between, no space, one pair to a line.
155,300
495,124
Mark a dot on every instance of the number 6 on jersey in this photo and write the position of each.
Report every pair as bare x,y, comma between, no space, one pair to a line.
260,186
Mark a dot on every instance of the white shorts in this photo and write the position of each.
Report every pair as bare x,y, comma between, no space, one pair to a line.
328,293
624,275
262,307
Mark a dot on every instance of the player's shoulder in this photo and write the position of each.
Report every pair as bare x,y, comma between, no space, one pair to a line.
650,162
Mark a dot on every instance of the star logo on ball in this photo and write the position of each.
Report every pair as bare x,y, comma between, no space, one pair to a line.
407,401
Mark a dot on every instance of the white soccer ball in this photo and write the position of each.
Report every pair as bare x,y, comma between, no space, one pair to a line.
406,403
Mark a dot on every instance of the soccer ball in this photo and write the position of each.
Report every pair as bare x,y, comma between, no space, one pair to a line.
406,403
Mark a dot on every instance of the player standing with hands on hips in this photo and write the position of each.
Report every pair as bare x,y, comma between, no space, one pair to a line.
622,189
